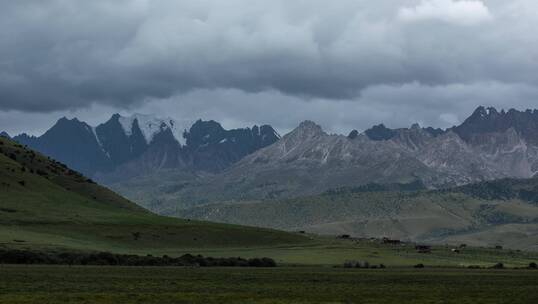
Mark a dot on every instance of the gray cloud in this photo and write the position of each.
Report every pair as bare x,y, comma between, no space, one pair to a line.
345,65
395,106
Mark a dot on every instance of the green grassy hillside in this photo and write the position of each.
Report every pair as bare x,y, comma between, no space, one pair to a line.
43,204
503,212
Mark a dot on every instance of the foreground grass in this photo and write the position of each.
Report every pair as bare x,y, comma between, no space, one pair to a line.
62,284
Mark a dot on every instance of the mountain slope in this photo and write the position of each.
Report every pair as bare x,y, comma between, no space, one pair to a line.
503,212
44,204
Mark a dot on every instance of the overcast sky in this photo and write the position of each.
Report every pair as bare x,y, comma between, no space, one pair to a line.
346,64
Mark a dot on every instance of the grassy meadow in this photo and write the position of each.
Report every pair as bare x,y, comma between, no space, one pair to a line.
63,284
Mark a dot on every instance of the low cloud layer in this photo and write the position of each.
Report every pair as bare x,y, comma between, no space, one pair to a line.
346,65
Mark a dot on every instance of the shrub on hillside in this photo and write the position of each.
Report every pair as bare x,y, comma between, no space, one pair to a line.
474,267
41,172
361,264
107,258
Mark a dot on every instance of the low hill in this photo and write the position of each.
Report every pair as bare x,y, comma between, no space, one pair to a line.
44,204
503,212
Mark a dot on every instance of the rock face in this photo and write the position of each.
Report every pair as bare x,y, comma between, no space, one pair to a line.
485,121
121,145
211,148
308,160
380,132
124,147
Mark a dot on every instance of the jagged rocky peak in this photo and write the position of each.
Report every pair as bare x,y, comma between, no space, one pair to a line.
66,121
203,133
206,133
307,128
353,134
380,132
306,132
482,113
212,148
65,125
4,134
65,128
120,146
151,125
309,124
24,138
71,141
434,131
489,120
491,113
417,129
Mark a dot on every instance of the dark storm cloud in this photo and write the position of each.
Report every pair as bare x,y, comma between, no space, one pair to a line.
67,54
346,64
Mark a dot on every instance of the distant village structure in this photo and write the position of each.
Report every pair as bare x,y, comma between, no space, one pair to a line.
423,248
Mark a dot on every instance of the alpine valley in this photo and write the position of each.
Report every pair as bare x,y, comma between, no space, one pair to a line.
470,183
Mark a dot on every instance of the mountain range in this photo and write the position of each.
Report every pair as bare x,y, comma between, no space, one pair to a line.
171,164
308,161
488,145
124,147
250,175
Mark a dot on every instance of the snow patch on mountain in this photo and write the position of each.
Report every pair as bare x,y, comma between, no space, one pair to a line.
94,132
151,125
